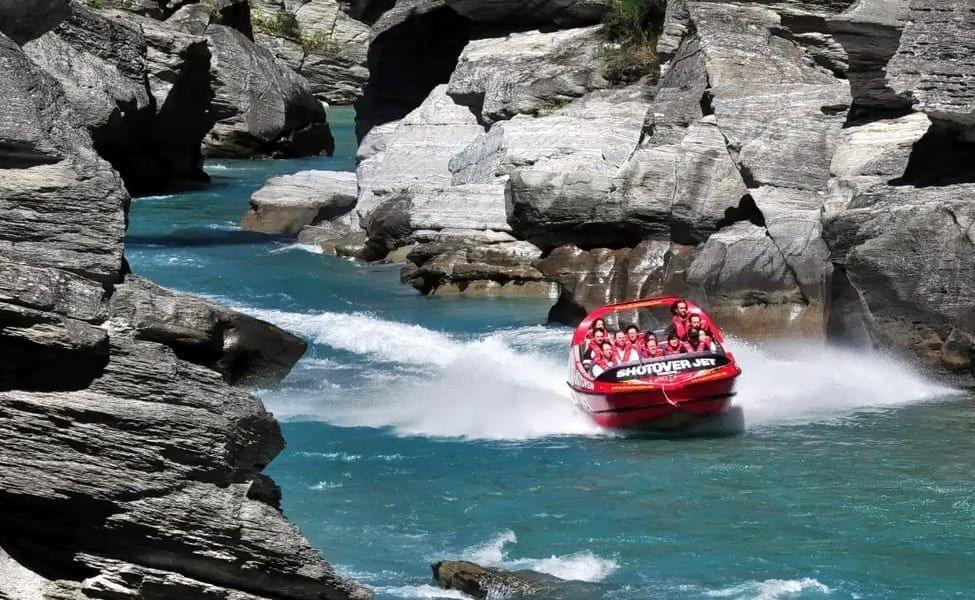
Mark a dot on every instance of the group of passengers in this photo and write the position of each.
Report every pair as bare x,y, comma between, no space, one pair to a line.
688,332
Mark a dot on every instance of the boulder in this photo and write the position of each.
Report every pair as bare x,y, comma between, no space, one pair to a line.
482,582
288,203
261,106
460,263
243,349
527,72
415,156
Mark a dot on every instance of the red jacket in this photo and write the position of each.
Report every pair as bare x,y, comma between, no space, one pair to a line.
681,349
680,326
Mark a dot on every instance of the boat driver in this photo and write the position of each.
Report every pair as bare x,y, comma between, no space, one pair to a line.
679,317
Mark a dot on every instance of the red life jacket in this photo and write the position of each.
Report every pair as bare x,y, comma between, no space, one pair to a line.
621,354
680,326
645,353
680,349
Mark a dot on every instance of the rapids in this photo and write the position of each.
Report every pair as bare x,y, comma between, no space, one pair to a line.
421,429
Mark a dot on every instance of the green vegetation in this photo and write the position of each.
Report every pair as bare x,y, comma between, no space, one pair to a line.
285,25
633,53
96,4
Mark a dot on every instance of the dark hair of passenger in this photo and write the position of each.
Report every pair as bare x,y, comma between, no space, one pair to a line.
599,323
671,333
673,307
633,327
603,346
651,336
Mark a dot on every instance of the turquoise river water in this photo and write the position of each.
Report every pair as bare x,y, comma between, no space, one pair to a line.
421,429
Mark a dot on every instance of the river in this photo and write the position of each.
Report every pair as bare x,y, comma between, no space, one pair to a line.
421,429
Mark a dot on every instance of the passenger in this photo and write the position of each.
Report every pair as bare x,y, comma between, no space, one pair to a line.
697,340
598,324
674,344
635,337
623,350
603,359
651,348
696,321
598,337
678,310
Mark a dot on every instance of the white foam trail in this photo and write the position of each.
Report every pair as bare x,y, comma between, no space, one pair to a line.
808,382
421,591
325,485
511,384
772,589
580,566
151,198
310,248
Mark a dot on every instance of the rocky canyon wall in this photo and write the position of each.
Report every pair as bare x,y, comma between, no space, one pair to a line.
799,167
130,465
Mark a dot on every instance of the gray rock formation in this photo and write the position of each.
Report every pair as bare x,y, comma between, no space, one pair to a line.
288,203
150,133
524,73
934,62
261,106
480,582
328,47
741,177
129,467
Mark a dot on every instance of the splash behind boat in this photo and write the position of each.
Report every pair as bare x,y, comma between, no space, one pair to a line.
671,393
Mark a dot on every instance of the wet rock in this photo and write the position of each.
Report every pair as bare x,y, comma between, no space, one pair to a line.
524,73
243,349
288,203
262,107
481,582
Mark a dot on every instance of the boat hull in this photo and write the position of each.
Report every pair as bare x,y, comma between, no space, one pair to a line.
665,408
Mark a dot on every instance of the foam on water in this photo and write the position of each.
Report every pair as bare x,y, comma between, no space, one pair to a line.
773,589
579,566
421,591
510,384
310,248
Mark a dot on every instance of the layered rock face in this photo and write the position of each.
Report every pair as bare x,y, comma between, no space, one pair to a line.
731,177
158,87
324,44
129,467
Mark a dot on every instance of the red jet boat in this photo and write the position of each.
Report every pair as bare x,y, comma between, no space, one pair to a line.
673,393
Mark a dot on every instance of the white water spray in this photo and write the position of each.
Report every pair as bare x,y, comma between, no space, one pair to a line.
510,384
